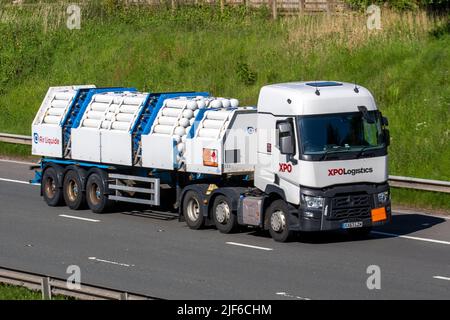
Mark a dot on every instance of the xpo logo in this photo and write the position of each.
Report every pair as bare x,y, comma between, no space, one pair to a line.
343,171
285,167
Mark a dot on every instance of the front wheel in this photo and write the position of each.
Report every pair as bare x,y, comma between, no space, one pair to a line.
224,218
277,219
192,210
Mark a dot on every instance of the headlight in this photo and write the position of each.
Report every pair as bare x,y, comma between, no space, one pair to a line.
313,202
383,197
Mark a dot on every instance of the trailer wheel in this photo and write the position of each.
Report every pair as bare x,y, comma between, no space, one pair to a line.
222,215
74,196
96,198
52,194
192,210
277,219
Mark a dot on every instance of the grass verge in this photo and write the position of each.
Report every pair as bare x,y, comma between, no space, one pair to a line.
8,292
15,150
417,199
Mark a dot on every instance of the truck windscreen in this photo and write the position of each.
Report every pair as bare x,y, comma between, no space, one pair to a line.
349,133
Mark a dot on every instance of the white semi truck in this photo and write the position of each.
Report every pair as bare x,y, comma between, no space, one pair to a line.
311,156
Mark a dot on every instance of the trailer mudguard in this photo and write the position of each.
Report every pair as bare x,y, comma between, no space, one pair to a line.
59,171
83,174
104,175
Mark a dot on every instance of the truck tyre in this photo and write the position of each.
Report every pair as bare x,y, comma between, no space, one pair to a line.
192,210
222,215
359,233
96,198
53,195
74,196
277,219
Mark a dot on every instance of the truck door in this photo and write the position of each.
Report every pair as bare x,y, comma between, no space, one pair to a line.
285,160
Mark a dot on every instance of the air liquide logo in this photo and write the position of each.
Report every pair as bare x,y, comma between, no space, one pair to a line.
343,171
44,140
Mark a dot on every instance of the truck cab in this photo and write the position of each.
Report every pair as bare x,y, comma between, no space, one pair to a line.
322,149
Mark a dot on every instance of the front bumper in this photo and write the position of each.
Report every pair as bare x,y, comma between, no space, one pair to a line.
342,204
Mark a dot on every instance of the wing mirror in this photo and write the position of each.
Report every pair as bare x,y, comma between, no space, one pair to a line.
286,138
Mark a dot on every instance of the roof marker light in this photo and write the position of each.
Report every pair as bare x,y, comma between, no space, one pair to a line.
324,84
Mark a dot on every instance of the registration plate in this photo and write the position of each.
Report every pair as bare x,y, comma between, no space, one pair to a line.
351,225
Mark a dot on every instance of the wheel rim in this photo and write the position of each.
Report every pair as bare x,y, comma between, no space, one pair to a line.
50,187
193,209
73,190
95,194
278,221
222,212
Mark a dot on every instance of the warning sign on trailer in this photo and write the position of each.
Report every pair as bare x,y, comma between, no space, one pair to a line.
210,157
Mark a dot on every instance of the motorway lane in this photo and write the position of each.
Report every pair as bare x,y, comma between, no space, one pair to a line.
163,258
10,169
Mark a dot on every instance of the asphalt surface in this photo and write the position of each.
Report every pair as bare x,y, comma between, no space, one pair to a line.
159,256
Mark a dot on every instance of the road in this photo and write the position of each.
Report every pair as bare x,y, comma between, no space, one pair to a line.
161,257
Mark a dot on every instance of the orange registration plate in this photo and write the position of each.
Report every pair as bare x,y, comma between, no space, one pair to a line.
378,214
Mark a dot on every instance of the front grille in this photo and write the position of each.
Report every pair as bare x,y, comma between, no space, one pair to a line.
351,201
351,206
338,214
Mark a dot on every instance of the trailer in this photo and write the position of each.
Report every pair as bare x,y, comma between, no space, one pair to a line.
311,156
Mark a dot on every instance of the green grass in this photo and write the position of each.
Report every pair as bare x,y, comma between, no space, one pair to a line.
434,201
233,54
8,292
17,150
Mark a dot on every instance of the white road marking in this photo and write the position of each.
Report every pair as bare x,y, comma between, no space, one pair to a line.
18,162
248,246
20,181
111,262
15,181
78,218
442,278
411,238
287,295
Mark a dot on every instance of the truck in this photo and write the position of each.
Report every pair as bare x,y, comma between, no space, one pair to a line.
310,156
